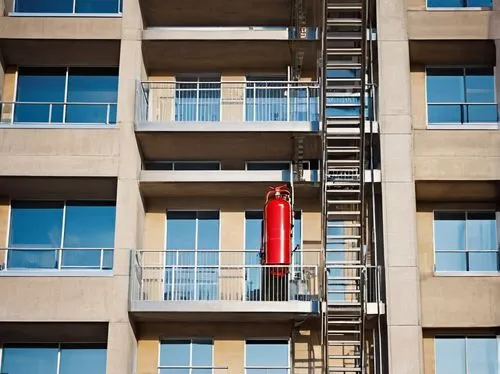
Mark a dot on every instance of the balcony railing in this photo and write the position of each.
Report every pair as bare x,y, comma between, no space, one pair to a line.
55,259
373,284
51,113
215,275
250,101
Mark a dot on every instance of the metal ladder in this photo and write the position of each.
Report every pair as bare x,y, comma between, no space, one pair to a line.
343,97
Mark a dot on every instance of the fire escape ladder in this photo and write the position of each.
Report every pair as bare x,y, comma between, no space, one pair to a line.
343,112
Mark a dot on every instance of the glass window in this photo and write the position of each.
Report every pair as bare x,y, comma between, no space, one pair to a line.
60,95
186,356
68,6
197,98
465,241
192,259
461,95
43,359
459,3
266,356
466,355
40,229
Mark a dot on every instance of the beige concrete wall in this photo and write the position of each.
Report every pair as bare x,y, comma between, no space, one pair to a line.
429,355
60,28
229,343
398,190
59,152
453,301
451,25
450,154
57,298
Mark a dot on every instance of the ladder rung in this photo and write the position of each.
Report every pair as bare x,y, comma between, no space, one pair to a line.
337,343
339,369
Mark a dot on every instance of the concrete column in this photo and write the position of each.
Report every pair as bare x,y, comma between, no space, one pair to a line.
122,343
398,191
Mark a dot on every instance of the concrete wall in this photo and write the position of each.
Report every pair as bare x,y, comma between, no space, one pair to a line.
453,301
398,190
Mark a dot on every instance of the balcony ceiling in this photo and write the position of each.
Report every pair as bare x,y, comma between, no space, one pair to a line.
222,12
216,55
225,146
453,191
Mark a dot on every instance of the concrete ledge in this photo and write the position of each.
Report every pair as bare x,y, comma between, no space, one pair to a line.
265,126
108,28
220,33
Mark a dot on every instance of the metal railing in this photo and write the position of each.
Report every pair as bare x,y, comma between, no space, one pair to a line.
191,370
373,292
250,101
58,259
215,275
462,113
51,113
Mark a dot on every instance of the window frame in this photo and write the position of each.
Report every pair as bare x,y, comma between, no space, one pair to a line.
60,269
59,346
196,79
463,125
15,13
465,338
461,273
65,103
194,251
190,367
267,338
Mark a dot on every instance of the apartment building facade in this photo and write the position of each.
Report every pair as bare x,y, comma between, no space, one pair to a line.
138,139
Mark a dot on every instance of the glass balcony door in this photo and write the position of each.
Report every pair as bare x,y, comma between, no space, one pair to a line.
198,98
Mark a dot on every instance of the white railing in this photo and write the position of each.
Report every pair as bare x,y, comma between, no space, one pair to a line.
58,259
50,113
191,370
215,275
250,101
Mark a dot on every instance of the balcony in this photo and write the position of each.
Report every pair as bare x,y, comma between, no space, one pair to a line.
227,120
217,283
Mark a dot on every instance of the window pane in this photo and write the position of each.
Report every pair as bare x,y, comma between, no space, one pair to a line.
29,360
480,3
208,230
267,353
444,3
482,113
451,261
175,353
487,261
268,166
445,86
449,231
40,85
196,165
46,6
202,353
482,356
450,355
481,231
35,224
175,371
82,360
479,85
96,6
181,230
445,113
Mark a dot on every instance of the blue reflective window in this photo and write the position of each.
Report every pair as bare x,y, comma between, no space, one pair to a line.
43,359
38,229
266,356
60,95
465,241
197,98
186,356
89,226
461,95
471,355
192,257
68,6
459,3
